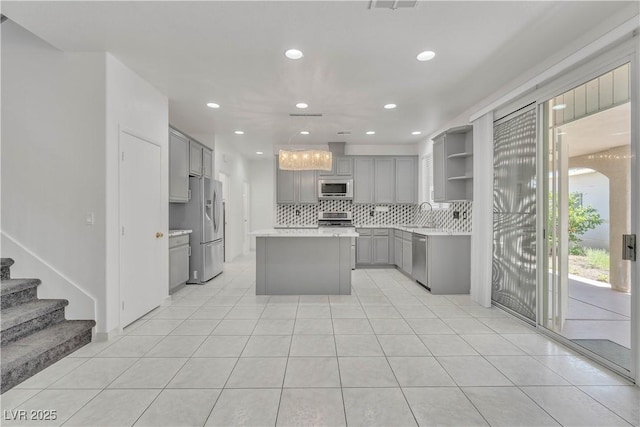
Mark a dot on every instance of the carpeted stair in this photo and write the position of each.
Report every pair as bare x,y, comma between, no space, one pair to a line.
35,333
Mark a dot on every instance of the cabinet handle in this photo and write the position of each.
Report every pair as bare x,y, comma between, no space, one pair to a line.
189,250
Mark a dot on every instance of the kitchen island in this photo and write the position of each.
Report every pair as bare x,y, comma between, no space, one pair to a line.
303,261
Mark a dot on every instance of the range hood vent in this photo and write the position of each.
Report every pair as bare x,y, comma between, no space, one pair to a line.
305,114
337,148
344,132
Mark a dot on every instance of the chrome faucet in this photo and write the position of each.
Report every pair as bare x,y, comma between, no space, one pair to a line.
419,219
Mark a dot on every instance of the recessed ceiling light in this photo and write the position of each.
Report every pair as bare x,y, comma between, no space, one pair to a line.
301,105
239,132
293,54
213,105
425,56
259,153
417,132
559,107
390,106
370,132
304,132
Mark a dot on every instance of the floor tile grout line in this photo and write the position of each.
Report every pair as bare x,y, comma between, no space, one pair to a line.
286,366
603,404
394,376
335,346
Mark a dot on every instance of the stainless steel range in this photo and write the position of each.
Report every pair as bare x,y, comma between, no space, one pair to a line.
335,219
339,220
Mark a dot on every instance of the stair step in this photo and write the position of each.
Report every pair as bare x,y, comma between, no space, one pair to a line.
17,291
5,268
24,319
27,356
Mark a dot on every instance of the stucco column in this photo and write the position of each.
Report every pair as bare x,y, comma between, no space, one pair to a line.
615,165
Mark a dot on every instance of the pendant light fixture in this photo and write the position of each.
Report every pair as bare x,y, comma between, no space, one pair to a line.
305,160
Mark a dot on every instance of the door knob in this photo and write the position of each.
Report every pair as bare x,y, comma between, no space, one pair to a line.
159,235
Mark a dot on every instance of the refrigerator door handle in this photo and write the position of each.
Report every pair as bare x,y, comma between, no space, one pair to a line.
215,216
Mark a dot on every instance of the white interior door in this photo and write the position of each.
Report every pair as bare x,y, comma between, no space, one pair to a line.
140,227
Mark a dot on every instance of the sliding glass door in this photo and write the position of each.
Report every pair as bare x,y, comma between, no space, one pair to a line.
587,284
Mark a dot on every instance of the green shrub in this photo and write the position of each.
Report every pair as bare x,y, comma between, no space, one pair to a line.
598,258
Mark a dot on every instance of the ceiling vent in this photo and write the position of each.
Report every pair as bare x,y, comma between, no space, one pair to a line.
305,114
392,4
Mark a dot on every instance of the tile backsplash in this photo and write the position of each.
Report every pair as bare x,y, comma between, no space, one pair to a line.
305,215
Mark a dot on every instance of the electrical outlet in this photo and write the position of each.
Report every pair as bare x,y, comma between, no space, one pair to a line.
372,212
297,212
456,214
464,215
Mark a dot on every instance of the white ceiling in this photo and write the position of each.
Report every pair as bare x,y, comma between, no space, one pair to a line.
356,59
598,132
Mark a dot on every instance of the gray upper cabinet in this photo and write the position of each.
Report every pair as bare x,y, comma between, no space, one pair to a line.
207,163
453,165
195,158
343,166
296,186
306,187
384,180
285,186
363,174
178,168
406,180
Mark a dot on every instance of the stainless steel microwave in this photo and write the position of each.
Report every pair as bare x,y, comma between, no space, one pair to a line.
335,189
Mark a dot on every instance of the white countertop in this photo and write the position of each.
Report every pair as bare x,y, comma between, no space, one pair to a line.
175,233
306,232
429,231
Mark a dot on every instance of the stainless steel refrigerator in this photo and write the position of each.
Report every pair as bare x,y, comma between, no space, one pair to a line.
203,214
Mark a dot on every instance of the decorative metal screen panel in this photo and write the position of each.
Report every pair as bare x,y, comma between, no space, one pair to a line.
514,214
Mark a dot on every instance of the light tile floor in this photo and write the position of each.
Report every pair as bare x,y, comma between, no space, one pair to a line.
390,354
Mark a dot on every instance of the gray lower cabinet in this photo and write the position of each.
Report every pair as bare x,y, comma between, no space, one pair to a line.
449,264
296,186
179,252
407,252
397,249
374,246
363,247
178,168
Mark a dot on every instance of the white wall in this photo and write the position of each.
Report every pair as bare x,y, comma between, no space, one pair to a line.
236,166
262,180
381,150
53,170
132,105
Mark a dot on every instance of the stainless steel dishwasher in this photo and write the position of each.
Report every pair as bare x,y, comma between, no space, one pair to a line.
419,259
